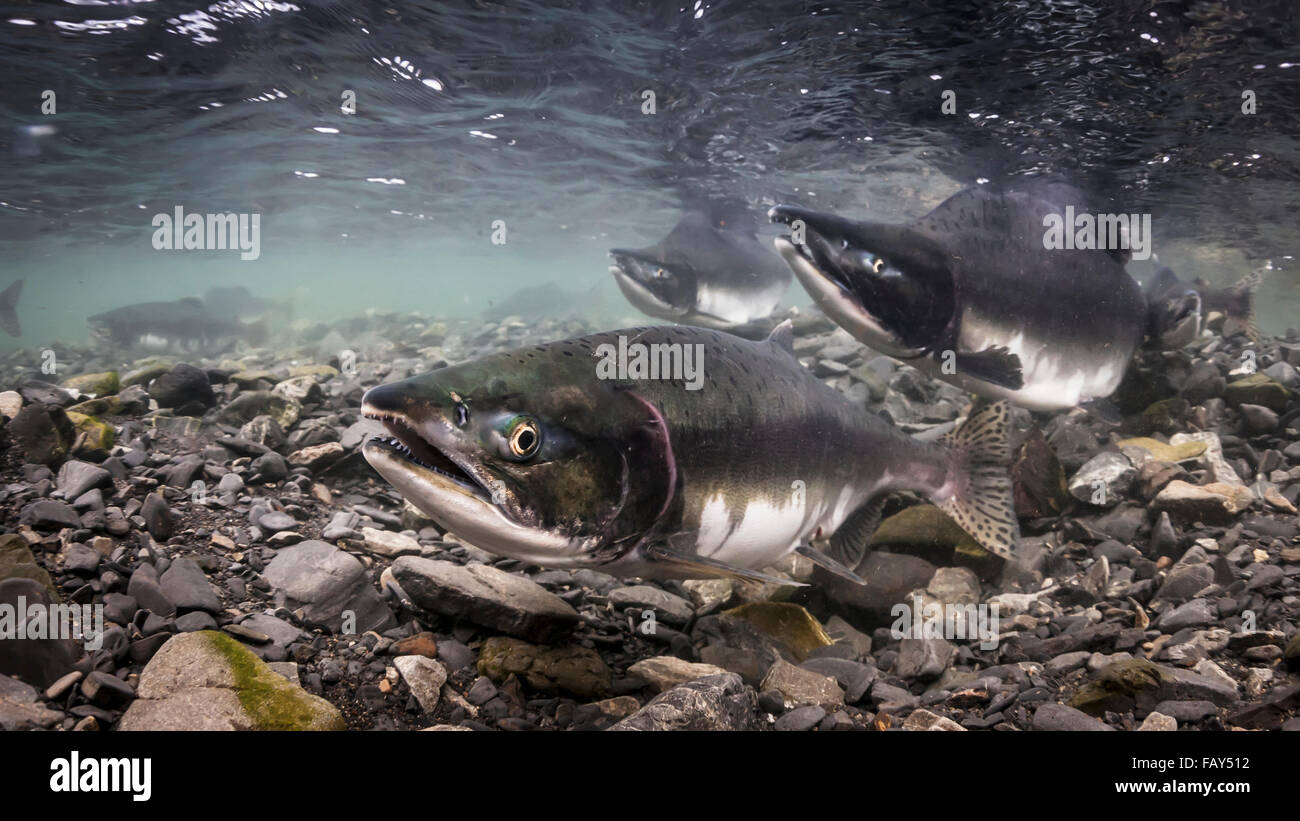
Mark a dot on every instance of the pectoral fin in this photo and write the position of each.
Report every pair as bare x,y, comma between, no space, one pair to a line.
828,564
705,568
997,366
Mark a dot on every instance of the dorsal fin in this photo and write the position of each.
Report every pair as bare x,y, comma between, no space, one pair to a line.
783,336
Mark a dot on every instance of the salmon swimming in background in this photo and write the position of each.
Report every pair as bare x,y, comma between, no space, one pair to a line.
531,454
710,271
1178,310
183,324
971,295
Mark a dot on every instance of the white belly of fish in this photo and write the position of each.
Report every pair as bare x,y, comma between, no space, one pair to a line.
1054,377
766,531
736,306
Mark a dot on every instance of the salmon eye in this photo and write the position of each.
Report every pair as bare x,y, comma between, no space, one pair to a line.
879,263
525,437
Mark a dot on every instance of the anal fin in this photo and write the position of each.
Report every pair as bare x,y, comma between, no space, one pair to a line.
848,544
712,568
997,366
828,564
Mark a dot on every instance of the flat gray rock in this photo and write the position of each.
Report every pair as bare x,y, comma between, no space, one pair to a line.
49,515
77,477
487,596
328,584
147,591
668,608
186,586
1051,716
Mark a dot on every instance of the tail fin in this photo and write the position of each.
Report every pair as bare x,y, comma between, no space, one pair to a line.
1242,310
9,308
982,500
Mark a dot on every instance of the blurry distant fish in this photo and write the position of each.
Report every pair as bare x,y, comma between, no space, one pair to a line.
1170,298
9,308
237,302
970,294
1236,302
1174,310
707,271
546,300
185,324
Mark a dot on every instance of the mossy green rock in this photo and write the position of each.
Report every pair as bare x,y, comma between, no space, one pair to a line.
145,372
251,404
576,670
314,370
1120,686
1165,416
1141,448
249,379
43,433
99,384
1258,389
17,562
924,525
1292,654
93,436
209,681
100,405
971,555
788,623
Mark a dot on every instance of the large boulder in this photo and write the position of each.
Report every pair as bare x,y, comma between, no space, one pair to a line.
38,658
43,433
184,386
209,681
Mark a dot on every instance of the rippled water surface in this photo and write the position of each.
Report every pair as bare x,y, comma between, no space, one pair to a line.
533,114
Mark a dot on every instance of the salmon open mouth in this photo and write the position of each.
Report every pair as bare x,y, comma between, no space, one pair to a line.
406,442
